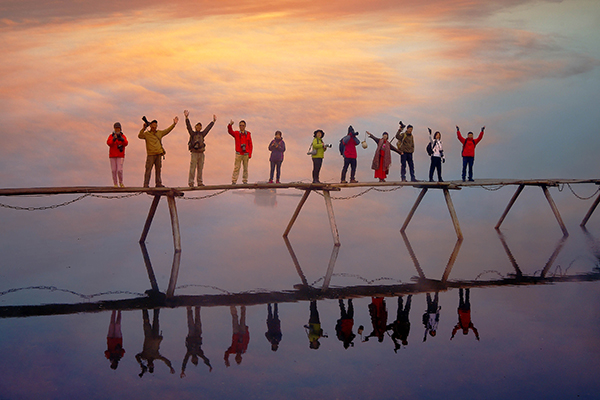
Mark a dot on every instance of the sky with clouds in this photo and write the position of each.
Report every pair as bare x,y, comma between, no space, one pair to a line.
527,70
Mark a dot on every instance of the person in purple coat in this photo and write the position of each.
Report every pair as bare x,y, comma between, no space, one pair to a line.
277,148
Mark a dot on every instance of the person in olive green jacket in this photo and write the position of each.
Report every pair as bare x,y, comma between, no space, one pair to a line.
154,149
406,145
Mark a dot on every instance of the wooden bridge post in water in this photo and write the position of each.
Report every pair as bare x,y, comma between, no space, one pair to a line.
590,211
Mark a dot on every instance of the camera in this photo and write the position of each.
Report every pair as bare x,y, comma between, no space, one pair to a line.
145,120
243,147
327,145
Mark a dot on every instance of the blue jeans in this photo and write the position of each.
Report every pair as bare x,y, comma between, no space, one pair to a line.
352,163
404,159
468,161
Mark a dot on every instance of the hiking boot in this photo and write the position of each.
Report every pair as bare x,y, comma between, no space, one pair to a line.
353,181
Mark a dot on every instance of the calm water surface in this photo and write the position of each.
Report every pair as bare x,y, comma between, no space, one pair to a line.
533,340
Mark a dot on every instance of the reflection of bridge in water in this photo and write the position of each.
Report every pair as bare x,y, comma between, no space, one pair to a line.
305,292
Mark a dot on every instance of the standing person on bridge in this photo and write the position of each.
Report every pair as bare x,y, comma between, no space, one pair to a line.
197,146
277,148
436,152
116,143
468,151
406,146
154,149
348,149
383,156
243,151
317,152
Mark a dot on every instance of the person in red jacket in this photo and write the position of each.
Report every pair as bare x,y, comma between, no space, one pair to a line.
116,143
243,151
468,151
240,337
114,340
464,315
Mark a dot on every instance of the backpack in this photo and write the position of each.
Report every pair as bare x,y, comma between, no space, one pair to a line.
429,149
342,146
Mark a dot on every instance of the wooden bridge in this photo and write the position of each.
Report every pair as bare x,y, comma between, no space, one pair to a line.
326,188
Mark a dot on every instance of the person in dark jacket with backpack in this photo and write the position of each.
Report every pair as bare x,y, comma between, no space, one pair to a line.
348,150
196,146
436,153
468,151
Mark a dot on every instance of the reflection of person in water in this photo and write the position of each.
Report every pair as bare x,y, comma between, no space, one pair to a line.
114,340
464,315
313,328
401,326
240,336
273,333
431,318
343,328
151,348
193,341
378,312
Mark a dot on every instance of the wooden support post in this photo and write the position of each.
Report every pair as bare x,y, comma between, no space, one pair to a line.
149,268
295,261
176,244
590,211
413,209
452,260
511,258
332,224
332,259
151,213
552,258
453,214
295,216
555,210
510,204
413,256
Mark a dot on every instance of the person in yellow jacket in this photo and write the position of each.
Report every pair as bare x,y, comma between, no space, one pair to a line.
154,149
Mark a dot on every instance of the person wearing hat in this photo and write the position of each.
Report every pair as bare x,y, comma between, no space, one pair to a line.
243,151
317,158
116,154
349,143
196,146
154,149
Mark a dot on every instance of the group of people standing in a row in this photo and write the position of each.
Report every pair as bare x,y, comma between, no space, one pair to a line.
382,158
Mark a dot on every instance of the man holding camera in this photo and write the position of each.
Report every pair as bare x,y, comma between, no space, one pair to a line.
154,149
196,146
243,151
349,143
406,145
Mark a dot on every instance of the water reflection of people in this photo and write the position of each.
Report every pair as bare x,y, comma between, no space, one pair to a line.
151,347
313,328
273,333
114,340
431,318
401,326
378,313
193,341
343,328
464,315
240,336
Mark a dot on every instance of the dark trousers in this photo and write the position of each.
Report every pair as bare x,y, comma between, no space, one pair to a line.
468,161
349,162
275,165
317,163
156,162
436,164
404,159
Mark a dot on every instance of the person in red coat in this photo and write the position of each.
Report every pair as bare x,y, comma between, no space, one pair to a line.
243,151
468,151
116,143
464,315
240,337
114,340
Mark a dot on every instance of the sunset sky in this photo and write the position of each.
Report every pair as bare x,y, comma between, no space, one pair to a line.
527,70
